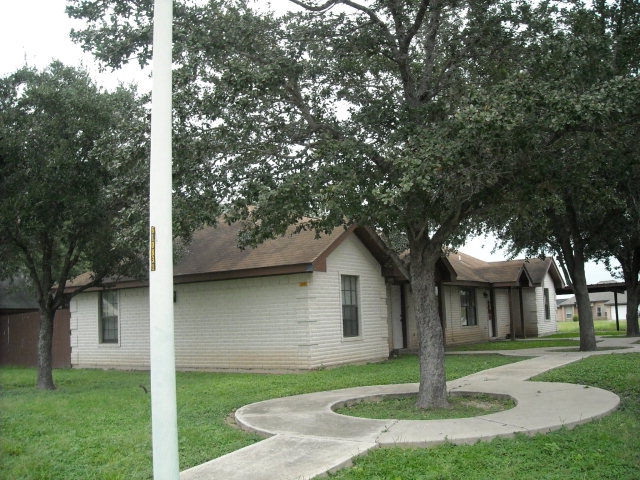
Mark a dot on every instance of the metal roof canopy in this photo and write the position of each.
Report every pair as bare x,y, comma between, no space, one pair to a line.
615,287
618,287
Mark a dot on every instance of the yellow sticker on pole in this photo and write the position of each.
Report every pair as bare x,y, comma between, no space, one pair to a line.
153,249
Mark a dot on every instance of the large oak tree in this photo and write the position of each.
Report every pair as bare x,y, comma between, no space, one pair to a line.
73,177
346,111
581,94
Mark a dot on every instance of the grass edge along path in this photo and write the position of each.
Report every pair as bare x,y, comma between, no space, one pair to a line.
97,423
568,334
604,449
403,407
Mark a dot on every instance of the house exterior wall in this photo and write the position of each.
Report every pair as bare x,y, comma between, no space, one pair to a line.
601,311
132,349
327,344
281,322
535,321
413,337
515,311
256,323
502,312
506,309
394,314
609,312
531,303
457,333
622,312
565,310
546,326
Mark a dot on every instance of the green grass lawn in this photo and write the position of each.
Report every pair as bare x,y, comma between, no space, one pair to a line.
567,332
604,449
602,327
518,344
96,425
403,407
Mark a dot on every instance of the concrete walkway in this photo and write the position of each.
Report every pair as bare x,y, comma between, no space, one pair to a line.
307,439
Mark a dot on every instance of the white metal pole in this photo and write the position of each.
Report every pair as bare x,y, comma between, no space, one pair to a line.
164,421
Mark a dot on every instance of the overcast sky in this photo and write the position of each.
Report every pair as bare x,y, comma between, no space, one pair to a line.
35,32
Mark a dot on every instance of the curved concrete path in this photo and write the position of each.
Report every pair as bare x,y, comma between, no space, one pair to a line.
307,439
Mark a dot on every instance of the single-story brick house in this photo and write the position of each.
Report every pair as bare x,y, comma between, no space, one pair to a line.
603,306
300,302
482,300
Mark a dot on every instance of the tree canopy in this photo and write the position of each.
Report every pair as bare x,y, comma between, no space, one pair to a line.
581,93
73,177
414,117
368,112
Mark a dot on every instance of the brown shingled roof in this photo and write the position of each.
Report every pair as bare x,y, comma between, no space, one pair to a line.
505,273
467,267
214,251
213,254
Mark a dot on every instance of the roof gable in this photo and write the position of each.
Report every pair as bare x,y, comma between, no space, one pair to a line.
213,254
507,273
215,250
607,298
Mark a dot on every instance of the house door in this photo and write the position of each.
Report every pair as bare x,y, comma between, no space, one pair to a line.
397,329
492,318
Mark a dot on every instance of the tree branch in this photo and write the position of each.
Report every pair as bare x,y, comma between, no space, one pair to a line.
70,260
30,261
356,6
296,98
312,8
417,23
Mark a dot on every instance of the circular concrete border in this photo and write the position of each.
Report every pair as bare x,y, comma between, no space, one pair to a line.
382,397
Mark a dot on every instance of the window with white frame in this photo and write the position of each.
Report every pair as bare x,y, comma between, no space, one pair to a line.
109,316
350,321
547,305
468,306
568,313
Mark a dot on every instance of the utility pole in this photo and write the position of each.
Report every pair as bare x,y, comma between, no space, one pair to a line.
164,422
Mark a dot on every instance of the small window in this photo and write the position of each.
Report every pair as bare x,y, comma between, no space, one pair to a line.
547,305
468,307
569,313
109,316
350,323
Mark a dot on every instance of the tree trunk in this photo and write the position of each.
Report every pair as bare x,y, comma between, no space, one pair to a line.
45,338
633,296
573,256
632,312
585,316
433,384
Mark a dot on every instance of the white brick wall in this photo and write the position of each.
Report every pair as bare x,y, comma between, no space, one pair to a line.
269,323
455,332
328,346
502,312
507,303
546,326
132,349
242,324
531,310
